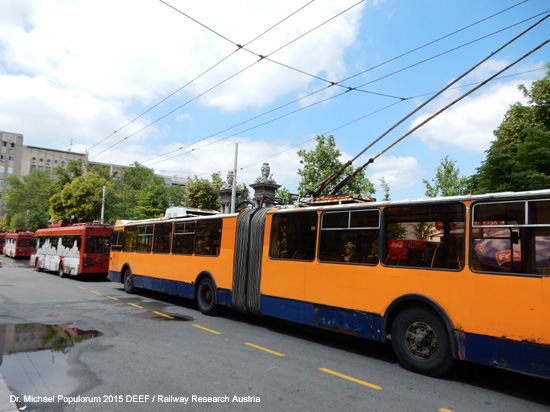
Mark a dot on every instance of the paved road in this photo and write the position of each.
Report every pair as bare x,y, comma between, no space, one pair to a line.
159,353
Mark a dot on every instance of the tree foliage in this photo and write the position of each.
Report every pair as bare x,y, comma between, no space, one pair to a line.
203,194
321,162
447,181
81,197
141,194
27,201
518,157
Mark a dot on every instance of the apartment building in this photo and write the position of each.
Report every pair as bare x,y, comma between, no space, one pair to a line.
19,160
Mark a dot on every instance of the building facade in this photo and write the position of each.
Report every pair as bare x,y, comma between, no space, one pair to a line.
19,160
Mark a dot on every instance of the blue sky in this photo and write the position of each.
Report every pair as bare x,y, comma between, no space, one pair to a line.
73,72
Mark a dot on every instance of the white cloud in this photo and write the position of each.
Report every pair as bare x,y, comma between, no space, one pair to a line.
79,70
400,173
473,119
251,155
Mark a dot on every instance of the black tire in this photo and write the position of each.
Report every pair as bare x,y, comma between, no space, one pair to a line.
207,299
421,342
128,281
60,271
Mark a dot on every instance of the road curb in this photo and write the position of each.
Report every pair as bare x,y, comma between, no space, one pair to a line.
5,404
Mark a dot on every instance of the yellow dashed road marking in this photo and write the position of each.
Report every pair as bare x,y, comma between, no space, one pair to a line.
162,314
110,297
136,306
97,293
349,378
264,349
206,329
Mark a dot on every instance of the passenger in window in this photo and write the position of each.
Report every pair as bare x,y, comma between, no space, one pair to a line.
350,252
201,248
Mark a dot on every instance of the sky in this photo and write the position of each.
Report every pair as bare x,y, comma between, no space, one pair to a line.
180,86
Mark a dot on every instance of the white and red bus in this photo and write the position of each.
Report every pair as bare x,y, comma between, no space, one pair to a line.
72,248
18,244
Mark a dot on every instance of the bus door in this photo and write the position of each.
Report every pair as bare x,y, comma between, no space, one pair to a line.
116,243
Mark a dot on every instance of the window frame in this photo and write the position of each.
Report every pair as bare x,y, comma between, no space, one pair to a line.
369,259
526,227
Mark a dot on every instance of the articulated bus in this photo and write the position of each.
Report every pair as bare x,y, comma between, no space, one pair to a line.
442,279
72,248
18,244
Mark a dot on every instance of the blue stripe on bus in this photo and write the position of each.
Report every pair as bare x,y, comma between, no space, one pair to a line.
523,357
115,276
170,287
360,324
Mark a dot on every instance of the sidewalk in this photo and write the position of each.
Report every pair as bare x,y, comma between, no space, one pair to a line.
5,404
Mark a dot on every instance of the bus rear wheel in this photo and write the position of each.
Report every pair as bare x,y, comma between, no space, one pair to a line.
421,342
128,281
206,297
60,271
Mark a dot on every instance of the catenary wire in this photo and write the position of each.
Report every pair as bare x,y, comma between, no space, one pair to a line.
200,75
331,97
203,93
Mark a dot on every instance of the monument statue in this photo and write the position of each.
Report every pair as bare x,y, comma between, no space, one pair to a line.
229,183
265,177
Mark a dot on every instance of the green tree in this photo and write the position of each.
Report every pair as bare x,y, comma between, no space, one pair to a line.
386,188
27,200
518,157
203,194
175,195
321,162
141,194
81,197
66,174
447,181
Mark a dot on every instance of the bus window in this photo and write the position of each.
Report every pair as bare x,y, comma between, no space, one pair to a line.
162,237
349,237
184,234
145,238
512,237
130,239
428,236
293,236
95,244
117,240
68,241
209,235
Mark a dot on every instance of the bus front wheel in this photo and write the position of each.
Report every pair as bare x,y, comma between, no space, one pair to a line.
128,281
421,342
206,297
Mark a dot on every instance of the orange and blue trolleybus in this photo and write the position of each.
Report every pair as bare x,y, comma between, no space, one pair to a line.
441,279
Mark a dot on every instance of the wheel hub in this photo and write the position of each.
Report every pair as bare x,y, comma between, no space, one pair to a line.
421,340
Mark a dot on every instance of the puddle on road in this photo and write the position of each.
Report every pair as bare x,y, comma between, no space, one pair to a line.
34,357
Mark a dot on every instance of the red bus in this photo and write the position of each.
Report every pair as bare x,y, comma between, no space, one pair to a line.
2,240
18,244
72,248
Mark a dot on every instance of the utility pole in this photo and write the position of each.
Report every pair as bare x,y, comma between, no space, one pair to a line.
103,205
234,186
